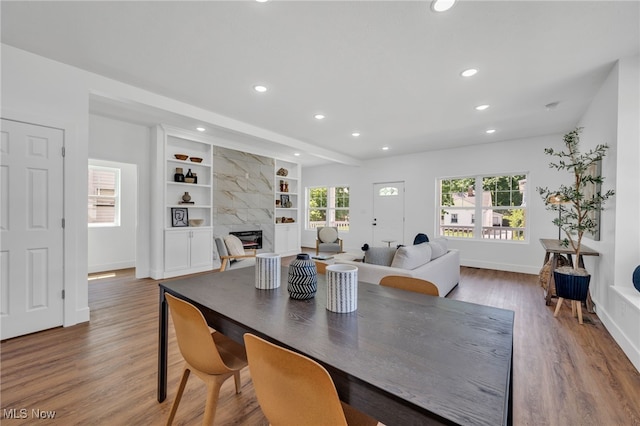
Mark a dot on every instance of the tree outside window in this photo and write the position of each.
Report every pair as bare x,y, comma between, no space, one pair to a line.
328,206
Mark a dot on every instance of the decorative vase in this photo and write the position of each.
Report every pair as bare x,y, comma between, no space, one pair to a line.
186,197
572,287
302,282
635,278
178,176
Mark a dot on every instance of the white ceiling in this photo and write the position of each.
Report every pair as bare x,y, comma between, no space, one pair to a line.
389,70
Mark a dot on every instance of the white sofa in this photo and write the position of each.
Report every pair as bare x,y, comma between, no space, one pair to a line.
412,261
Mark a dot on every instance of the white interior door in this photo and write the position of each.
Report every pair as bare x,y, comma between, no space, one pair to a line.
31,248
388,214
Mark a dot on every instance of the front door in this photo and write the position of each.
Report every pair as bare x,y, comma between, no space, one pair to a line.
388,214
31,248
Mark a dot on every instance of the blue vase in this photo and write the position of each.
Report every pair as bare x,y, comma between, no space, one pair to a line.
302,282
636,278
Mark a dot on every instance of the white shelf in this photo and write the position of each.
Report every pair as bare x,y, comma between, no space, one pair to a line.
190,185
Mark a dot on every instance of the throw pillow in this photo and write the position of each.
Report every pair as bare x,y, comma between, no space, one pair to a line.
410,257
439,247
379,255
234,245
328,235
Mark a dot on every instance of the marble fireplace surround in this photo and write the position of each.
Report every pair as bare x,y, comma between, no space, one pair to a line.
243,194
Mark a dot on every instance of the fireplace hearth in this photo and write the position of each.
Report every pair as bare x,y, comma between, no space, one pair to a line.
250,239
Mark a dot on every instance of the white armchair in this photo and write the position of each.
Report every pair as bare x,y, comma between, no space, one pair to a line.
327,240
231,251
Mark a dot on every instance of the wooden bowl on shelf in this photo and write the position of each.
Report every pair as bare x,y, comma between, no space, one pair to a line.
196,159
181,156
196,222
189,180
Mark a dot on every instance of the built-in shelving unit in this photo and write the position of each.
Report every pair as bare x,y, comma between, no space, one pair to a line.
185,246
287,207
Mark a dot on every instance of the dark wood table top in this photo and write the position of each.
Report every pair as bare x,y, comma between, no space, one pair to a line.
400,357
555,246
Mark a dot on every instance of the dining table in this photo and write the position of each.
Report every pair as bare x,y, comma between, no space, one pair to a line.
403,358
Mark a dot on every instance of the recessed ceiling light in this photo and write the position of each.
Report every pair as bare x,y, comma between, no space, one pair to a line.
200,129
482,107
385,148
489,131
469,73
442,5
262,1
319,117
260,88
297,154
355,134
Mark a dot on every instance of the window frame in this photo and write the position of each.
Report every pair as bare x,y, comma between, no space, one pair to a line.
478,210
330,209
116,197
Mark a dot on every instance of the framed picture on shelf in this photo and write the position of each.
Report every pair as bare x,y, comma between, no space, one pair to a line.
284,200
179,217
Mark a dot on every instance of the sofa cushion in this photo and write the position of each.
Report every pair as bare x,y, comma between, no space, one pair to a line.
439,247
379,255
410,257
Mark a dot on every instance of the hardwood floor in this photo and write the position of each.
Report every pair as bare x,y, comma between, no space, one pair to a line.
104,371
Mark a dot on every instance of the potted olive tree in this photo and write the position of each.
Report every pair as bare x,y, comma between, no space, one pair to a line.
576,205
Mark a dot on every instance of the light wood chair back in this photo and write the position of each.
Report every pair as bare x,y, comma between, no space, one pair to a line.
209,355
410,284
294,390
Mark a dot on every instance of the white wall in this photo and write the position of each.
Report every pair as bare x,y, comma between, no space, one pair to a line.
128,145
613,118
421,172
114,247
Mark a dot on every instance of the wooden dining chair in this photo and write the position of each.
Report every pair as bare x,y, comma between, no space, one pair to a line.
410,284
294,390
209,355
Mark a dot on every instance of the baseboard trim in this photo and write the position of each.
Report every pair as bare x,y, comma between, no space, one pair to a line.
619,336
92,269
500,266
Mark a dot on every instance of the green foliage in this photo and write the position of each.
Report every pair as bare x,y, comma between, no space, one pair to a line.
515,218
577,202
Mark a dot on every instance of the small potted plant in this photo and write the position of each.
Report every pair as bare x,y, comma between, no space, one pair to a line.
576,217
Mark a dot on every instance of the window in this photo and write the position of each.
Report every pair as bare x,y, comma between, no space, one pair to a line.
328,206
104,196
500,207
388,191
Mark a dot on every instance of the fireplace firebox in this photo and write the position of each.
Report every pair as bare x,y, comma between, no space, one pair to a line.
250,239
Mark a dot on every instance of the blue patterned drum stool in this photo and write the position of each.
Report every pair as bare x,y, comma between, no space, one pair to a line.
342,288
267,271
303,278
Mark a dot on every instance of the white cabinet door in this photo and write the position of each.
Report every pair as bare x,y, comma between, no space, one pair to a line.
201,248
286,239
188,251
177,245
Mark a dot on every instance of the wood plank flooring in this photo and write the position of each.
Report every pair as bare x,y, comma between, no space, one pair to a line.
104,372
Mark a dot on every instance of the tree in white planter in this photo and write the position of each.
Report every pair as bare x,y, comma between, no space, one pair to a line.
577,217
